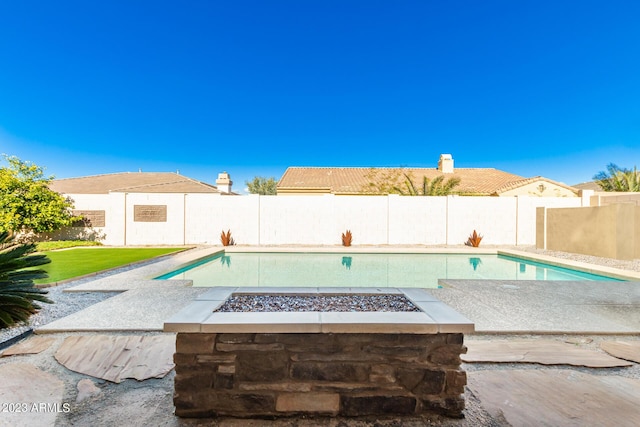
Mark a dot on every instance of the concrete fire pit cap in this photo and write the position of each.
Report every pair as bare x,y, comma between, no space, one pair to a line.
433,316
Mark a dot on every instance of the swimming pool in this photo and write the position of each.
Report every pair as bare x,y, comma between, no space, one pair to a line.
262,269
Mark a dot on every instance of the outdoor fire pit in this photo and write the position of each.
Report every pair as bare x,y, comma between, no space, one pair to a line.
283,352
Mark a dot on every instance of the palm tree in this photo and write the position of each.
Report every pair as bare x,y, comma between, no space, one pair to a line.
617,179
437,187
17,289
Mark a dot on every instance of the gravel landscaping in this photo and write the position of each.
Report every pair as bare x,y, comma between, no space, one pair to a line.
342,303
64,303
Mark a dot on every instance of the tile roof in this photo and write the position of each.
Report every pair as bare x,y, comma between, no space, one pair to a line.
353,180
132,182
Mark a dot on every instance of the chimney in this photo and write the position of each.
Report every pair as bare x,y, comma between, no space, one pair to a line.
224,182
445,164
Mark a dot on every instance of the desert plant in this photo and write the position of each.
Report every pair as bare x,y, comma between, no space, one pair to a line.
226,238
474,239
618,179
346,238
402,181
436,187
17,290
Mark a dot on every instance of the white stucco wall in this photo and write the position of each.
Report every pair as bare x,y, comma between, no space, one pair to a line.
320,220
417,220
208,215
367,219
170,232
492,217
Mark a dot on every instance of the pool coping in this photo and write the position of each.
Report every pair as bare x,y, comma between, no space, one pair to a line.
576,265
434,316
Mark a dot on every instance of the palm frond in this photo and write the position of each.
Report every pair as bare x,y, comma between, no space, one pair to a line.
18,292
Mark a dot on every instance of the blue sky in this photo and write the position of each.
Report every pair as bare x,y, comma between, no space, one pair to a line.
547,88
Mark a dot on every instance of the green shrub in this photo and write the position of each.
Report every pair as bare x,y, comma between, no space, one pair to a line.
17,289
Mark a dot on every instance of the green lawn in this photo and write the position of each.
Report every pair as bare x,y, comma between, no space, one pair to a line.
80,261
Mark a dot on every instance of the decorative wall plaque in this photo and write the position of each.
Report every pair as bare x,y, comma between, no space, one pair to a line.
150,213
89,218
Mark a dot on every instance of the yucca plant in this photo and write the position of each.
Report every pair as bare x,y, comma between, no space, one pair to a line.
17,289
346,238
474,240
226,238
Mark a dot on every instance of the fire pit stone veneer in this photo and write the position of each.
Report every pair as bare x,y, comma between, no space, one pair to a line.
279,364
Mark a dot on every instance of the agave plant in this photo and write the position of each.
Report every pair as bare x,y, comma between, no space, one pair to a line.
17,289
226,238
474,240
346,238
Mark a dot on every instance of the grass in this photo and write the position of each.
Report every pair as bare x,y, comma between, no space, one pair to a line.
77,262
63,244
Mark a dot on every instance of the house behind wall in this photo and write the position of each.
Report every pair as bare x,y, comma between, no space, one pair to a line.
147,208
367,181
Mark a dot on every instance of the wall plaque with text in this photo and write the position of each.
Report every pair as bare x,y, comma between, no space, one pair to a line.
150,213
89,218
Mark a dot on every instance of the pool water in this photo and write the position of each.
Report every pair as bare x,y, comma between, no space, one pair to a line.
364,270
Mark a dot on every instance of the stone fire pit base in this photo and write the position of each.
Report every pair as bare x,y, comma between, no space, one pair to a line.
269,365
267,375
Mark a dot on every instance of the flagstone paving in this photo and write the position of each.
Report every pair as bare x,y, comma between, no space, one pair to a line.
115,358
32,345
545,352
86,390
557,397
29,396
622,349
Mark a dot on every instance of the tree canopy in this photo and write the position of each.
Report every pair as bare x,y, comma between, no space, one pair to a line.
264,186
618,179
26,201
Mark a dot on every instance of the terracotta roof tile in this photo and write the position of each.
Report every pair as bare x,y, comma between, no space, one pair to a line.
346,180
132,182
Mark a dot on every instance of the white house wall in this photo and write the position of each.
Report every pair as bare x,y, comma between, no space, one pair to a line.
320,220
